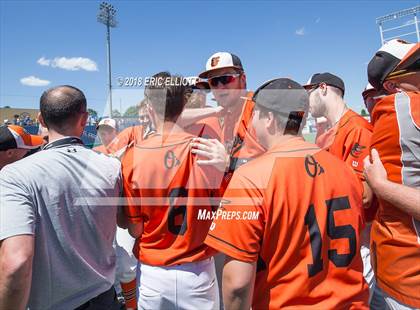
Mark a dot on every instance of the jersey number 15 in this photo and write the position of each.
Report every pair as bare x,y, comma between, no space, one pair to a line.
334,232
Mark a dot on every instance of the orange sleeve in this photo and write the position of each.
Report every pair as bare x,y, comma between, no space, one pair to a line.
121,141
207,128
100,149
132,195
234,230
356,149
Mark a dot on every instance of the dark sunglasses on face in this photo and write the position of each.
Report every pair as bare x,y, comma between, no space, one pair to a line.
224,79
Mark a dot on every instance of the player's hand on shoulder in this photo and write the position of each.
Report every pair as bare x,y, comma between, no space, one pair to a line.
212,150
374,170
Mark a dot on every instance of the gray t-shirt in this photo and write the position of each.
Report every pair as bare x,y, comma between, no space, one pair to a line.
60,196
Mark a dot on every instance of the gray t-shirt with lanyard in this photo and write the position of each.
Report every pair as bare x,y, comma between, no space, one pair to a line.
65,195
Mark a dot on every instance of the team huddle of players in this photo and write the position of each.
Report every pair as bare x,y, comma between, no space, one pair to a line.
232,202
313,206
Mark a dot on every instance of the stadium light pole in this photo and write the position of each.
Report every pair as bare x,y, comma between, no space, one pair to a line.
394,17
106,16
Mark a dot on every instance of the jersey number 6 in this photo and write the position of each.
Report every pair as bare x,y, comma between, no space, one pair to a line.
334,232
175,211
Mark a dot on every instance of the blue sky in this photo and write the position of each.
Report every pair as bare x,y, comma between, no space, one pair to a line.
284,38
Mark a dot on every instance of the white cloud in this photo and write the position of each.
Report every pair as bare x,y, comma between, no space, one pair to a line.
71,64
43,61
409,22
74,64
34,81
300,31
317,20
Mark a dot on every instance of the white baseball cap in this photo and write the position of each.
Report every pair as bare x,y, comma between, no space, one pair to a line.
107,122
221,60
369,88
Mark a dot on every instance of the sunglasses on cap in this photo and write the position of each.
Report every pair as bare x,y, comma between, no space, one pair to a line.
224,79
311,89
412,69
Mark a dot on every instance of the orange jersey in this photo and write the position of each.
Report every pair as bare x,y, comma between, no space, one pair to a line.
166,190
286,211
239,136
395,234
102,149
208,128
129,136
349,140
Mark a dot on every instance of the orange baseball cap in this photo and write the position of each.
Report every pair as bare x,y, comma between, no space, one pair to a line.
16,137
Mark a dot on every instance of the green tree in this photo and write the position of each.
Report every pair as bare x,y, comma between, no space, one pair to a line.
131,111
93,113
7,106
364,113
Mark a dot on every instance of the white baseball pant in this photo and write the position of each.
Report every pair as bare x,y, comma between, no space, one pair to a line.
186,286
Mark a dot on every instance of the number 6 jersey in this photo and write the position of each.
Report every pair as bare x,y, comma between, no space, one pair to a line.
296,211
169,193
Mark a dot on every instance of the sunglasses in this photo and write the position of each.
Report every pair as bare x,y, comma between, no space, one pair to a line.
410,70
224,79
310,90
401,73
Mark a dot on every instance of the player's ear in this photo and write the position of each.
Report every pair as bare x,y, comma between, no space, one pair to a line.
270,122
243,79
323,88
9,153
390,87
83,119
41,120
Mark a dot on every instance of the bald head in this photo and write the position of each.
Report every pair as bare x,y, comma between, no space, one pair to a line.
62,107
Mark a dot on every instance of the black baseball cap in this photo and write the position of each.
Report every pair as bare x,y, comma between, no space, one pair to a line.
394,57
327,78
282,95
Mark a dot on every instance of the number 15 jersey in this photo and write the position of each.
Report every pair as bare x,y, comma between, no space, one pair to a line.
296,212
167,190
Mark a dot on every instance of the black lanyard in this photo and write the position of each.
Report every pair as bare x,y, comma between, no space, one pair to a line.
63,142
